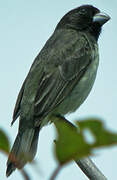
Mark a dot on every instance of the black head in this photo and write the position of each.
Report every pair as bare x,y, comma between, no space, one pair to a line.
84,18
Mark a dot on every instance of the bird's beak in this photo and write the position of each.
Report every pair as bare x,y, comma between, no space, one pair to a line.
101,18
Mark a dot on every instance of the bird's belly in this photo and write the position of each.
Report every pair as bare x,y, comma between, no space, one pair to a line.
80,92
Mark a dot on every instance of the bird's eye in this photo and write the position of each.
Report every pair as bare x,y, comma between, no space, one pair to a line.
82,11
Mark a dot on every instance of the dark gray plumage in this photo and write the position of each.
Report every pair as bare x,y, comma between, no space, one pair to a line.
59,80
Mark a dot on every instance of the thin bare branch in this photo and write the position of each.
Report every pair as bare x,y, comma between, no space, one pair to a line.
25,175
55,173
90,169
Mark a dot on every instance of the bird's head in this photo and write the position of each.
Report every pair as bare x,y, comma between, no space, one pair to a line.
84,18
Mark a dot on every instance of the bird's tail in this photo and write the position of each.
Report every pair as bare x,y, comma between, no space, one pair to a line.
23,150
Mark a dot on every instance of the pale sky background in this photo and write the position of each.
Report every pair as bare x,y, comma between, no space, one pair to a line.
25,26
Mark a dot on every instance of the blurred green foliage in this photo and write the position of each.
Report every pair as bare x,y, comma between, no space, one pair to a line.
73,141
4,142
76,142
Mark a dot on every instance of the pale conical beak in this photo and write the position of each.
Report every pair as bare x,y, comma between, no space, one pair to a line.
101,18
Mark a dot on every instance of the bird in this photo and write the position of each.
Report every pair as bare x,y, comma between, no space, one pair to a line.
59,80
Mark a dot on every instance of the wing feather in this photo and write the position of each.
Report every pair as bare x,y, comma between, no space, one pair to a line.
54,73
59,84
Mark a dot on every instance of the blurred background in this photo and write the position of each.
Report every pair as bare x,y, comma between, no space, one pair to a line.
25,26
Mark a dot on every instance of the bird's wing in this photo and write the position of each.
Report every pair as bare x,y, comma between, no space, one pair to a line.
16,112
61,79
61,67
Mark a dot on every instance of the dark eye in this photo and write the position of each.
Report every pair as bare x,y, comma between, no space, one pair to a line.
82,11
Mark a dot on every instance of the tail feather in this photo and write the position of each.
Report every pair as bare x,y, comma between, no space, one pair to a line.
23,150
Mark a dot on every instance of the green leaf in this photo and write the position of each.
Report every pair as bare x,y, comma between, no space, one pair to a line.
75,143
103,137
4,142
70,143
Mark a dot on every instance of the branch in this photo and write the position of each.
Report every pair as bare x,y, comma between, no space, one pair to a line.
55,173
25,174
90,169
